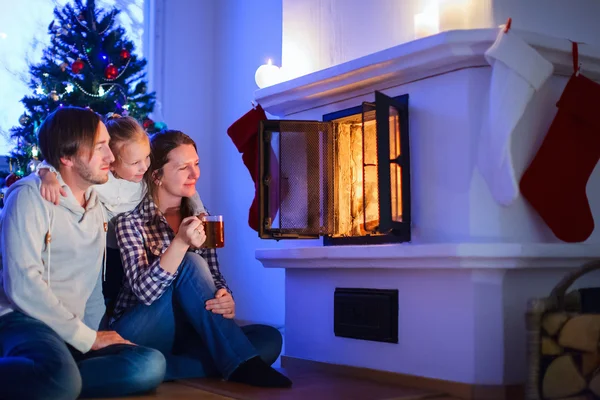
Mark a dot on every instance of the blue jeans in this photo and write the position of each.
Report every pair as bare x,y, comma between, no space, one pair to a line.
196,342
36,363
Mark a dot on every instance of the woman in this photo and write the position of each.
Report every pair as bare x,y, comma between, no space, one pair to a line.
174,298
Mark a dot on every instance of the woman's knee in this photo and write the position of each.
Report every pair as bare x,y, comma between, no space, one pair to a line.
267,341
194,265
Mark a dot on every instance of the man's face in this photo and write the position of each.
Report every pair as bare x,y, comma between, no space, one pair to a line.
93,166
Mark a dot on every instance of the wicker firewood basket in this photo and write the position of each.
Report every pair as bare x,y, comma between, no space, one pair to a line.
563,336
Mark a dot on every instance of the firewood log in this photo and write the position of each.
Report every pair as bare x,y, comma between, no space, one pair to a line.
589,363
553,322
581,333
550,347
562,379
595,383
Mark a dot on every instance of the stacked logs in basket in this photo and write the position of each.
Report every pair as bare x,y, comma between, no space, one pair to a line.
570,367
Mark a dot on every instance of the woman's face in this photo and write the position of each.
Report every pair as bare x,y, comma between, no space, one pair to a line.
181,172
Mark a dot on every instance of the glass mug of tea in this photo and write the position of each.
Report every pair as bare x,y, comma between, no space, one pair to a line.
214,230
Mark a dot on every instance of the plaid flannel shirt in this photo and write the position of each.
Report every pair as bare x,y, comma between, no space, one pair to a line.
143,236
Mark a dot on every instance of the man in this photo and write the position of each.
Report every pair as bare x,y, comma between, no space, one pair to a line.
52,257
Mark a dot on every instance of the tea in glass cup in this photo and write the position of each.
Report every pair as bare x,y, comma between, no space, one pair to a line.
214,230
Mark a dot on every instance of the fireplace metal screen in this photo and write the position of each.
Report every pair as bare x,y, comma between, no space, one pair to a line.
300,178
346,179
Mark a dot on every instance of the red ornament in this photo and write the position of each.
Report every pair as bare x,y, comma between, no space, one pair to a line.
111,72
148,123
10,179
125,54
77,66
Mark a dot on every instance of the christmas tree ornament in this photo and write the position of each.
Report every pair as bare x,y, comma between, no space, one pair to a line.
555,181
33,165
124,54
24,119
10,179
77,66
53,95
148,123
111,72
518,71
141,88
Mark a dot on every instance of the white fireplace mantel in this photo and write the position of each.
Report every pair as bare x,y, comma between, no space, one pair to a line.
433,256
438,54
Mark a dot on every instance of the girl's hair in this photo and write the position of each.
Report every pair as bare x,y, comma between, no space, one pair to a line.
123,130
161,145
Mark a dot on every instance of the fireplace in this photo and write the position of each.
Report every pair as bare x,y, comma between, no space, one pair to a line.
464,279
346,178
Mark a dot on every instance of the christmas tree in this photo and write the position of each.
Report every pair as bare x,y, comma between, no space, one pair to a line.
89,63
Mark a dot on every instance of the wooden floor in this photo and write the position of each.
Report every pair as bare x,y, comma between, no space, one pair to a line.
311,385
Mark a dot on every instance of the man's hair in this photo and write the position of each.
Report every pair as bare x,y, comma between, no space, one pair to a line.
66,132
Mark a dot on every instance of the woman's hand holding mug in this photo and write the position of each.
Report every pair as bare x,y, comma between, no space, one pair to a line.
191,231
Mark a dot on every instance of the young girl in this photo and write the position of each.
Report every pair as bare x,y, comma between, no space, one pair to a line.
124,190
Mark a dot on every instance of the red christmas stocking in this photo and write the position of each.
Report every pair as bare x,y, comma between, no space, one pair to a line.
555,181
244,134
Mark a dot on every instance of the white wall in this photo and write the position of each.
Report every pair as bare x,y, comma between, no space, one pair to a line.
205,54
574,19
318,34
182,73
321,33
247,34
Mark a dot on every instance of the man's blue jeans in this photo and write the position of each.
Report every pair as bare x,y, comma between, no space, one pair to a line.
36,363
196,342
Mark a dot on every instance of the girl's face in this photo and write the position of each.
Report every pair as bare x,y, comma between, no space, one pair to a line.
181,172
132,161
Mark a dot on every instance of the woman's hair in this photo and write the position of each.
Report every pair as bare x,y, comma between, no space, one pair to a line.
161,145
123,130
66,132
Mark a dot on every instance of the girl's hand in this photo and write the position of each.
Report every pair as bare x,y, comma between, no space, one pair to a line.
51,190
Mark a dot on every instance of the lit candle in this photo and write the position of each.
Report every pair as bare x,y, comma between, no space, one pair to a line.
427,23
267,75
454,14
